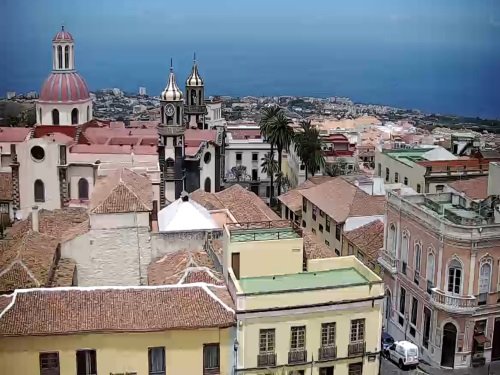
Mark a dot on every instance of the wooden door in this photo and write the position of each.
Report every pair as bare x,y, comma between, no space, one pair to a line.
235,264
495,349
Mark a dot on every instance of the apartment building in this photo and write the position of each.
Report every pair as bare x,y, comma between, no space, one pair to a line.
337,206
442,274
307,315
426,169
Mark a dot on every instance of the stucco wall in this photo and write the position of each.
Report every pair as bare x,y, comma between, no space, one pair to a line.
118,353
84,115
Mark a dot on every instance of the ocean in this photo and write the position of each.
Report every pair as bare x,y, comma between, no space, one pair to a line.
432,78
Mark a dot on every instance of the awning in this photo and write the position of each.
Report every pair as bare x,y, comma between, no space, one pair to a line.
481,339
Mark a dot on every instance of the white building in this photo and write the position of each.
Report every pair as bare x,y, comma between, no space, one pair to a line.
142,91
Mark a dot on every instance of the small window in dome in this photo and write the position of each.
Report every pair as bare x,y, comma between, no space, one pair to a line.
37,153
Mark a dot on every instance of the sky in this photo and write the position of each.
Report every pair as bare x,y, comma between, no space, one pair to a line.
361,48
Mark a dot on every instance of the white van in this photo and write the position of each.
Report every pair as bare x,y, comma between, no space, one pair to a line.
404,353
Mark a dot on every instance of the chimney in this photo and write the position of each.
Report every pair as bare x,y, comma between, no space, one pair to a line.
34,219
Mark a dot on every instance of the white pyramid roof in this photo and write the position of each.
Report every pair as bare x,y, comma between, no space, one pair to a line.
185,216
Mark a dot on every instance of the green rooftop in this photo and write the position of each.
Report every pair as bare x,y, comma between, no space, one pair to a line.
263,234
408,156
342,277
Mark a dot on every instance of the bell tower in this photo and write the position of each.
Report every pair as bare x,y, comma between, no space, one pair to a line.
171,141
195,108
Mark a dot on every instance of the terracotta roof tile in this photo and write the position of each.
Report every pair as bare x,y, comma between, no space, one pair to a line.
120,192
314,249
184,267
13,135
293,198
5,186
64,273
207,200
474,188
340,199
135,309
369,238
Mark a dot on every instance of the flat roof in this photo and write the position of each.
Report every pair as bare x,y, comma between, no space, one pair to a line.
245,235
407,156
342,277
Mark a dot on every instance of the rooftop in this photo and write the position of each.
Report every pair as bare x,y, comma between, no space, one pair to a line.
474,188
369,238
263,231
335,278
185,215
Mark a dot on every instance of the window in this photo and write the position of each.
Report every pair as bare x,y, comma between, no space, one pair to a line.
170,163
156,360
418,256
55,117
328,334
39,191
266,340
303,223
419,189
314,212
287,212
313,231
208,185
484,283
66,57
454,277
207,157
238,156
321,228
298,338
83,189
211,359
402,305
360,256
405,180
427,327
40,116
321,213
396,177
88,113
439,188
268,191
356,368
379,170
387,173
59,58
391,239
337,252
304,204
413,317
430,272
327,224
49,363
338,231
255,156
86,362
326,370
405,244
350,249
37,153
357,330
327,243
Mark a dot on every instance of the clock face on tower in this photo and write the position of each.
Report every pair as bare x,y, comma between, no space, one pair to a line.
169,110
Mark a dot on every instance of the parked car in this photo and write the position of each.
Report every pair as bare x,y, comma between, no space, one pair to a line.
386,342
404,353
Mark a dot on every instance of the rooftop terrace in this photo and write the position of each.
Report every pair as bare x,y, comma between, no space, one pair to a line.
263,231
335,278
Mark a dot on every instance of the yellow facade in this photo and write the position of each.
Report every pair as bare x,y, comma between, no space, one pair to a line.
324,234
118,352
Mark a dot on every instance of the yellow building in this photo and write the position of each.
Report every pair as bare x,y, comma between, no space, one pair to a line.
297,314
175,329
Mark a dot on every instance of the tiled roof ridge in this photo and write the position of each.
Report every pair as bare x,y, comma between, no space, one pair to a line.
194,269
21,263
365,226
205,286
130,189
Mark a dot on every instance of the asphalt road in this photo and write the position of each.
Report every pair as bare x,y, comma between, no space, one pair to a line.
390,368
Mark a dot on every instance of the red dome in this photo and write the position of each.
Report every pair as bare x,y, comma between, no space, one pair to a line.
67,87
63,36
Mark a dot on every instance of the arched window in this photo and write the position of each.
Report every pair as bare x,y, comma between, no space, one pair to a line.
208,185
484,282
417,248
55,117
391,239
170,163
178,115
88,113
430,271
405,244
39,191
193,97
74,116
59,57
83,189
66,57
454,277
199,97
162,112
39,115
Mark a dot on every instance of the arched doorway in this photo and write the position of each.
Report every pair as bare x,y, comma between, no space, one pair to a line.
83,189
448,346
208,185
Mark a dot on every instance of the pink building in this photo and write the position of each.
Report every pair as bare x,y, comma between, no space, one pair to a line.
441,257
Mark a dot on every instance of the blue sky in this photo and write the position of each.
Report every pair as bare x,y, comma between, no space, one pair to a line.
372,50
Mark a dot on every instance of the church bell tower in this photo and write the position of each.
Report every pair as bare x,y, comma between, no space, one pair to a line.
195,108
171,141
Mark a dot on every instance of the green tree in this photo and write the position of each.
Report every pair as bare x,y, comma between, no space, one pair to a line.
308,146
266,122
269,166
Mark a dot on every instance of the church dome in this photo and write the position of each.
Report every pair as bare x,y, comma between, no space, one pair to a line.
64,87
172,91
63,36
194,80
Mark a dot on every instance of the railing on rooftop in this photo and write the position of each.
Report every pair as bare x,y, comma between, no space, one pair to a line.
252,231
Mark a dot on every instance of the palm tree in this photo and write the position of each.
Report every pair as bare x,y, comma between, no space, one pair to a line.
308,146
280,134
270,167
266,122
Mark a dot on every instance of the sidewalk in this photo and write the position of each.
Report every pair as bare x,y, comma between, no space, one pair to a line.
494,369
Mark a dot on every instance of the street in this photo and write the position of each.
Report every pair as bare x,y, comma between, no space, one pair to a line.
390,368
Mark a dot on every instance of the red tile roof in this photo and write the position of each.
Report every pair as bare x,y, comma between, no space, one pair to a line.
13,135
368,238
5,186
42,130
293,199
245,133
195,136
313,249
113,149
120,192
116,309
474,188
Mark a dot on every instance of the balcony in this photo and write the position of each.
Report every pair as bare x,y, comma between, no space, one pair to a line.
388,261
356,349
453,303
195,109
297,356
266,359
327,353
264,231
